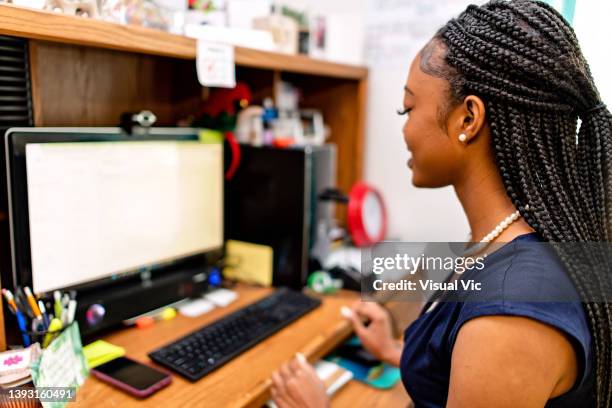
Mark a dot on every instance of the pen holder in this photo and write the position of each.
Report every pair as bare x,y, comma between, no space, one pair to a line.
44,337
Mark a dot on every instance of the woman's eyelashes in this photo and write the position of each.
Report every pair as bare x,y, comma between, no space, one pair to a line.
404,111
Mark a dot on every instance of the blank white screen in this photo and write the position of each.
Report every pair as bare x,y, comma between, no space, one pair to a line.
99,209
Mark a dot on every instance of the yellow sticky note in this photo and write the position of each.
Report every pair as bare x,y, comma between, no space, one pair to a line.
251,263
100,352
210,136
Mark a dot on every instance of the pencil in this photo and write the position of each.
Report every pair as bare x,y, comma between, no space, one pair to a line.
32,301
10,300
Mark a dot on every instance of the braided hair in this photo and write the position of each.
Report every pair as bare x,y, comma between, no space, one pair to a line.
524,61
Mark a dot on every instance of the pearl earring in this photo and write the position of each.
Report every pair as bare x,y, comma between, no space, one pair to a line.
462,138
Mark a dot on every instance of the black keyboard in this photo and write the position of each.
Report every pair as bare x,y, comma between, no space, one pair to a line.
208,348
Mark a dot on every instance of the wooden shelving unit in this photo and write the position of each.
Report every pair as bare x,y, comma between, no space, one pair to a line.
85,72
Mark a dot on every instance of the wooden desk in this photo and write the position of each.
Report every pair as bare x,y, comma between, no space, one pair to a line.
245,380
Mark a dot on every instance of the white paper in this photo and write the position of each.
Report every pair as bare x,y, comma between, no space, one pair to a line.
215,65
397,29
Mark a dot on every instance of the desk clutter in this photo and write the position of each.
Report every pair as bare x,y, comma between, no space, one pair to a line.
62,361
65,363
51,353
61,365
35,323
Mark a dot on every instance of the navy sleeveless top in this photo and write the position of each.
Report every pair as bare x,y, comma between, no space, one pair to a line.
517,267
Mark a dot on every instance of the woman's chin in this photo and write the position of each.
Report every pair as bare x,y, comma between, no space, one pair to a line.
418,182
421,180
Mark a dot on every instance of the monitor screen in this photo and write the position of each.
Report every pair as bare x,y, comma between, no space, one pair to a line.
105,208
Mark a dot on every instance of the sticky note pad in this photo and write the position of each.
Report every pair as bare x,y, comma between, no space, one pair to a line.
210,136
100,352
250,263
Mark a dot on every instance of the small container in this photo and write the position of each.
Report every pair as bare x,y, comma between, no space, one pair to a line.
44,338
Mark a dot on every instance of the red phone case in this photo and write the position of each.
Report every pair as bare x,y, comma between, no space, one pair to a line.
131,390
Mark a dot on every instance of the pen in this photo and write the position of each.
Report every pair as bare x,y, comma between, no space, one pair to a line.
71,310
65,302
22,326
57,306
43,311
32,302
22,304
10,300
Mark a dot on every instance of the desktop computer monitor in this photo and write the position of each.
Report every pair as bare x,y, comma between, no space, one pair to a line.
129,222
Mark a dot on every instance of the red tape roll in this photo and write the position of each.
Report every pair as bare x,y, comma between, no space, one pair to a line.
365,198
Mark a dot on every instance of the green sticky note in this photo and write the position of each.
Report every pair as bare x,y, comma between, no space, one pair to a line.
210,136
100,352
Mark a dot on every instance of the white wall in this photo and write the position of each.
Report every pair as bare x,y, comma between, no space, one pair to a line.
395,32
594,31
399,28
417,215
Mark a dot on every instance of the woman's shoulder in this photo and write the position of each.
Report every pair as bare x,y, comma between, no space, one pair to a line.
527,279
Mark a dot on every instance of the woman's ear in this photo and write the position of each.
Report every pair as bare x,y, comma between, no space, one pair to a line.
472,118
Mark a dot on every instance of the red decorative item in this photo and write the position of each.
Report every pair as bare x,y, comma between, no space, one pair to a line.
367,216
223,100
236,156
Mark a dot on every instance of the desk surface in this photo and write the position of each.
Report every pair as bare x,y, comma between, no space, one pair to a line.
245,380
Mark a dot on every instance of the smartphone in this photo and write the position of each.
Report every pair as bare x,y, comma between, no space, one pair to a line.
132,377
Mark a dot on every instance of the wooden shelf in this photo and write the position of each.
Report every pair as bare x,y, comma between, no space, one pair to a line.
54,27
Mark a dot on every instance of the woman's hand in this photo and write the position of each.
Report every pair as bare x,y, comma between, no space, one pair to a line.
296,385
377,337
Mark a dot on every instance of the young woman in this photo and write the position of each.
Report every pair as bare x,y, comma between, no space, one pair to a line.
493,102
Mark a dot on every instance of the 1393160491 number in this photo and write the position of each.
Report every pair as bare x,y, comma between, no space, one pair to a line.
46,394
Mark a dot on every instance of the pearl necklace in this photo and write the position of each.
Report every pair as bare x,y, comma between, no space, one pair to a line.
476,248
499,228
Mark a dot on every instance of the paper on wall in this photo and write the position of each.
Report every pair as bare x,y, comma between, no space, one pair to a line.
397,29
215,65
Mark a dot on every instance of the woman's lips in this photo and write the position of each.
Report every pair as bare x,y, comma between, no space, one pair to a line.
410,162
